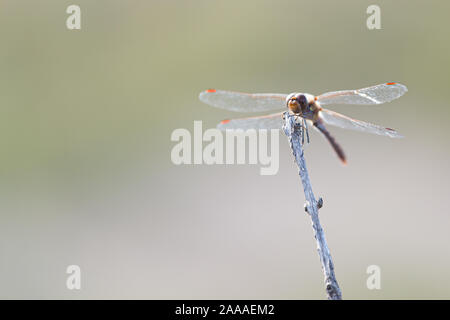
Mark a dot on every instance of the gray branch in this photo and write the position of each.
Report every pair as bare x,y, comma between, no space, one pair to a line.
294,132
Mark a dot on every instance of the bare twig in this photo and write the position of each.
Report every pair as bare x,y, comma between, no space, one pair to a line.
294,132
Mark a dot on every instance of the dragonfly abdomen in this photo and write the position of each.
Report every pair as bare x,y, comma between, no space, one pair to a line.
337,148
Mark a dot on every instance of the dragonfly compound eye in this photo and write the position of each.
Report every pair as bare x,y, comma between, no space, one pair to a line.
303,101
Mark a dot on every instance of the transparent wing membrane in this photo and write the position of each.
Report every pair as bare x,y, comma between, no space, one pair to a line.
341,121
271,121
372,95
243,102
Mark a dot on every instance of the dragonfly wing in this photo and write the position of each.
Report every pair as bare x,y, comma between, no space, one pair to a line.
341,121
372,95
271,121
243,102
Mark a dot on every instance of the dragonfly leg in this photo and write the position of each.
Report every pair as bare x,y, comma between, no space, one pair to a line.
307,131
302,131
303,128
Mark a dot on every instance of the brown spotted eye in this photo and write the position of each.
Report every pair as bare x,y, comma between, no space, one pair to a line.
303,101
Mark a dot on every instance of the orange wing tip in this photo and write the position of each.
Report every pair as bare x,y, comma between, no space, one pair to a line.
391,83
211,90
344,162
225,121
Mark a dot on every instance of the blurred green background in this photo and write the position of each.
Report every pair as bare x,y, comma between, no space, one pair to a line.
85,170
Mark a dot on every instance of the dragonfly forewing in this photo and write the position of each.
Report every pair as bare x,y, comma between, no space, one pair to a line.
371,95
243,102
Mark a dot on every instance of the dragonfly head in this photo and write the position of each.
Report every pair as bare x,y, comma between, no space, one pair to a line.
299,103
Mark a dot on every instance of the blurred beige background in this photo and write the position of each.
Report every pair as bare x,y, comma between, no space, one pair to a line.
85,170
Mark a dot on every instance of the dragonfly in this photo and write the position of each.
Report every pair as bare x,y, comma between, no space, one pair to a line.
307,107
